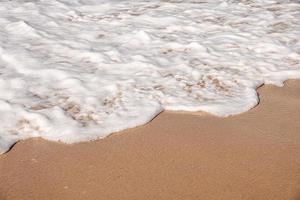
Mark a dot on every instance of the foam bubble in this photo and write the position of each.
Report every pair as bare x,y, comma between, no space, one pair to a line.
77,70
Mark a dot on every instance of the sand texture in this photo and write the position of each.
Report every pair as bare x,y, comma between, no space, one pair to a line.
255,155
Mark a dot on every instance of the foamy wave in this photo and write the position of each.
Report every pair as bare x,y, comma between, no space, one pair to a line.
76,70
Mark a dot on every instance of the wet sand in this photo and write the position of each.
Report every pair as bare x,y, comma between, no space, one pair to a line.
255,155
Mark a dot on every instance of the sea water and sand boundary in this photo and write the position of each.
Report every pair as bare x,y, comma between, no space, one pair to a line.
254,155
74,71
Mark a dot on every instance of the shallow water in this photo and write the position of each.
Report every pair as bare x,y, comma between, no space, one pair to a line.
73,70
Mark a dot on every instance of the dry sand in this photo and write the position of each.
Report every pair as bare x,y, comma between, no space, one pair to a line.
255,155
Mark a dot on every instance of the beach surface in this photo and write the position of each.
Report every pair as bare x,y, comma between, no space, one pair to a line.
254,155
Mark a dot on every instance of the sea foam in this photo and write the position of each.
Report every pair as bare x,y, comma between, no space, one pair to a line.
74,70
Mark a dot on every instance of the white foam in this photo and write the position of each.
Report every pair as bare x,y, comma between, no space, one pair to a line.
74,70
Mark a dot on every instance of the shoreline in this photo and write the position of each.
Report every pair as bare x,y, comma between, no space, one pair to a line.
177,155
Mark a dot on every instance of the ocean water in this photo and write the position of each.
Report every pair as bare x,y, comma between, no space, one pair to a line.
78,70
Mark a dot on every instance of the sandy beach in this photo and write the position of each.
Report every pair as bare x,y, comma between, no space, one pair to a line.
254,155
101,99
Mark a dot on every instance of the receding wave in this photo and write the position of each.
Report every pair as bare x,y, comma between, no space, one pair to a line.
73,70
